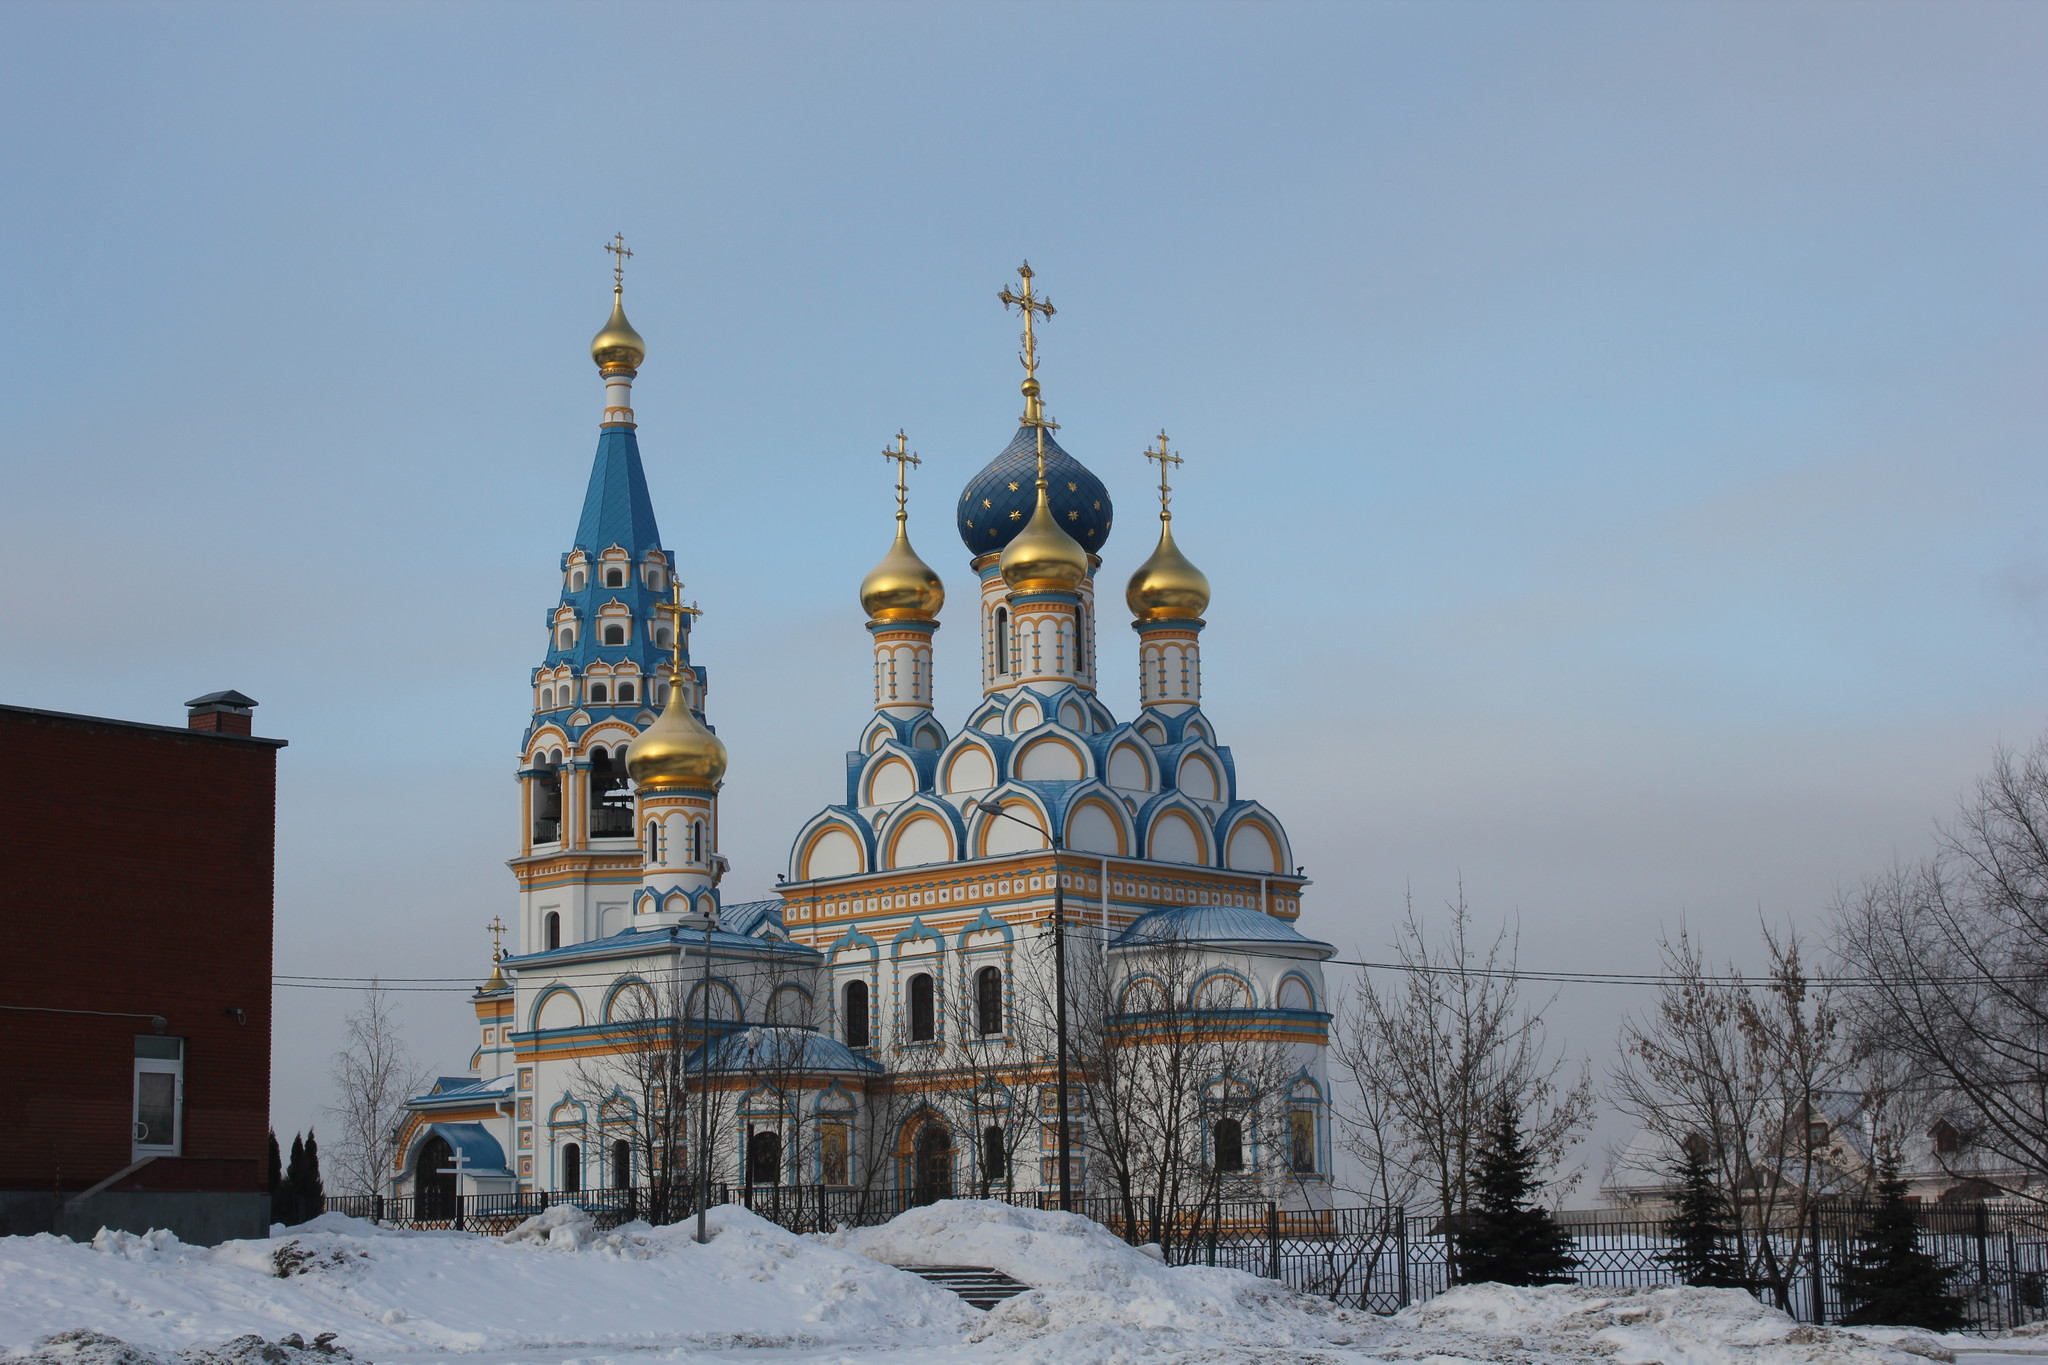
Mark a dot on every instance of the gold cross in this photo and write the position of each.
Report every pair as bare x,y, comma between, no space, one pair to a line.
620,255
904,458
1165,458
675,611
1033,308
497,928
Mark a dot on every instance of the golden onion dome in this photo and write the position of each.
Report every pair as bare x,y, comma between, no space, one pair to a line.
1166,586
618,343
676,751
902,587
1043,555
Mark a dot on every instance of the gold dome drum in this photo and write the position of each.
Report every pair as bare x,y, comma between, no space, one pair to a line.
618,343
902,587
676,752
1043,555
1166,586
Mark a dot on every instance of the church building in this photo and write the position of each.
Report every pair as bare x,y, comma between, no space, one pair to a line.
890,1021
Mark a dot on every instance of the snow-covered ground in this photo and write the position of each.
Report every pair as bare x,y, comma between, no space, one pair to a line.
557,1291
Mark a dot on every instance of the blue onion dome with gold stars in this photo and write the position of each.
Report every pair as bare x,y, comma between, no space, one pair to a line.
1000,499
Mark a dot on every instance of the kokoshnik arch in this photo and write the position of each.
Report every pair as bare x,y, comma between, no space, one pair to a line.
873,1024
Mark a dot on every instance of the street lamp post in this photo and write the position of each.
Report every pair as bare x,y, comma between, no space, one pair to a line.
1059,991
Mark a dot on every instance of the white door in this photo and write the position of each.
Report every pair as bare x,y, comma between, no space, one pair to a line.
159,1096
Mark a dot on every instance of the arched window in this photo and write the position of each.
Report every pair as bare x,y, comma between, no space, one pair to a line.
576,581
988,1001
551,929
1002,641
696,841
547,802
625,691
611,803
764,1157
654,841
622,1163
923,1017
599,692
615,577
662,636
615,634
547,699
1227,1144
433,1180
853,1013
572,1168
995,1155
565,638
1081,639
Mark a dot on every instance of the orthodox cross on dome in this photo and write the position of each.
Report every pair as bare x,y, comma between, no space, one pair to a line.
497,928
620,255
904,458
1033,308
1165,458
675,611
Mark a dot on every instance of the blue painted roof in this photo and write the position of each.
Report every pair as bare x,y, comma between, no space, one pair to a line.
1213,924
616,508
652,941
476,1151
780,1048
999,500
749,918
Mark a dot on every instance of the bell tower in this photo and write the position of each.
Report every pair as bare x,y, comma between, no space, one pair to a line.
612,656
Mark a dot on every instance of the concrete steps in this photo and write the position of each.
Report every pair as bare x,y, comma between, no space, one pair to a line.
978,1284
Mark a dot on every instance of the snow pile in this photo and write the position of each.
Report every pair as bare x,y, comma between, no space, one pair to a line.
555,1282
1652,1325
83,1347
1094,1296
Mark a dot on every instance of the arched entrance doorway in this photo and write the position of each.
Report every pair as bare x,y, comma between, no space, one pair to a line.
764,1157
932,1165
433,1180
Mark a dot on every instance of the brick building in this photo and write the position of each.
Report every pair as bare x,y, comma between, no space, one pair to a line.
135,906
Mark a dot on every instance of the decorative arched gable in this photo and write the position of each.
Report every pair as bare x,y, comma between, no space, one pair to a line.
1099,824
992,835
1177,832
888,779
1296,992
629,998
837,843
973,764
557,1007
985,924
914,933
1200,777
1223,988
1056,756
1252,840
920,835
1131,766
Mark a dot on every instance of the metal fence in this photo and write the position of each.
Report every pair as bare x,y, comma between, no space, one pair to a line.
1378,1259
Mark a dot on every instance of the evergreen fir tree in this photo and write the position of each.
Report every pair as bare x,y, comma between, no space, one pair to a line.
302,1172
316,1189
276,1169
1889,1281
1703,1229
295,1169
1504,1238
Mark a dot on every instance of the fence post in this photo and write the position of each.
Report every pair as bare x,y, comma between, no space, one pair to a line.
1820,1283
1984,1249
458,1211
380,1209
1401,1253
1272,1241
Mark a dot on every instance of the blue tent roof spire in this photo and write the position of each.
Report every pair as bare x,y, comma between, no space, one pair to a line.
616,508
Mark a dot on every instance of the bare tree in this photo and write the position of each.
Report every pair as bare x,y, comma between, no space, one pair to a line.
1432,1059
1955,952
1740,1073
638,1092
1186,1107
373,1074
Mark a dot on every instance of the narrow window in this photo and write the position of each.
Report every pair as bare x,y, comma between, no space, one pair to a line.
622,1163
159,1095
551,929
988,1001
1080,640
547,802
853,1014
625,691
615,577
615,634
995,1155
1227,1138
654,841
576,581
923,1018
1002,640
565,638
1301,1132
572,1168
696,841
547,699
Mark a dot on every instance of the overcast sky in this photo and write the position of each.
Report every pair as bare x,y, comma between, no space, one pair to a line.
1614,432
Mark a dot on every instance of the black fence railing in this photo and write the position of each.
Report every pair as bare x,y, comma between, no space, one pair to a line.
1379,1259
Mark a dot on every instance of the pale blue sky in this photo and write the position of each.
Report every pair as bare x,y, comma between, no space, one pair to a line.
1615,432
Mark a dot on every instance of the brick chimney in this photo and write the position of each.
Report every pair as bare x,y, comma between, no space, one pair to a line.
222,713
